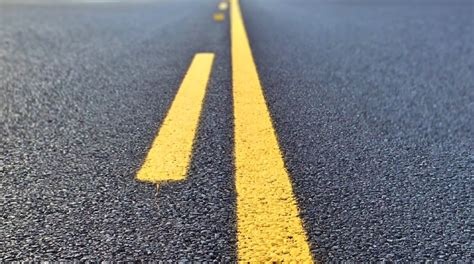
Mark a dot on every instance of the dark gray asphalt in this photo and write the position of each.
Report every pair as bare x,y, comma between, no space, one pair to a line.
84,88
372,101
374,106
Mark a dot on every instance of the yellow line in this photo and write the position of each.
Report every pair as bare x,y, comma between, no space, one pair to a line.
269,227
219,16
170,153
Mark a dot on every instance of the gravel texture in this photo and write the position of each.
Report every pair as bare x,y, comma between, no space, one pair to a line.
84,89
373,104
372,101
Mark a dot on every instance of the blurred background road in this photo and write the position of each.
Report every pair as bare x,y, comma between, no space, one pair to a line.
372,102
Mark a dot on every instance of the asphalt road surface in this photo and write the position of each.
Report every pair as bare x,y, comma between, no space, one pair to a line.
372,103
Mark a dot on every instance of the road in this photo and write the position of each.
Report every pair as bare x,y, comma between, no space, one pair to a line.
371,103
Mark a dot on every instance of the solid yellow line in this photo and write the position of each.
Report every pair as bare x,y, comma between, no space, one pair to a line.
268,225
170,153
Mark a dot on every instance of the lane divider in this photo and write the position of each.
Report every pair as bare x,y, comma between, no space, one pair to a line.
223,6
269,228
170,154
219,16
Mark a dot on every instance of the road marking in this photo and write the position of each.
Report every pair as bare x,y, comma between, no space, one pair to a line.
219,17
268,223
223,6
170,154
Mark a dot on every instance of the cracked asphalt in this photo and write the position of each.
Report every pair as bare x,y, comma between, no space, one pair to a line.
372,102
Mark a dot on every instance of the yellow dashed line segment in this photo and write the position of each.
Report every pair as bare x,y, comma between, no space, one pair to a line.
269,227
170,154
219,17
